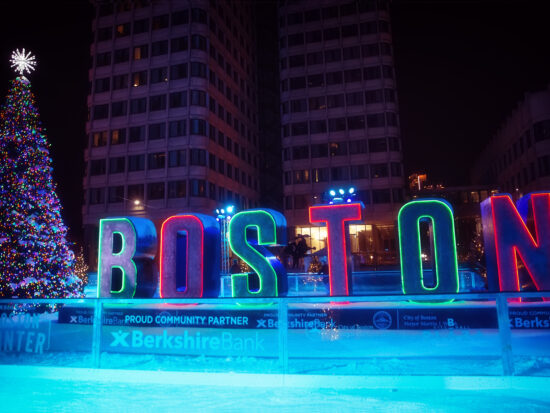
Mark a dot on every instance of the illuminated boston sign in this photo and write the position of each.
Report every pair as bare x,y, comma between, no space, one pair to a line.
189,252
199,271
439,214
507,235
335,218
127,247
249,233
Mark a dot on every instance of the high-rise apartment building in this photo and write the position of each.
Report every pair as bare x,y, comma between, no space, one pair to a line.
339,115
517,159
173,123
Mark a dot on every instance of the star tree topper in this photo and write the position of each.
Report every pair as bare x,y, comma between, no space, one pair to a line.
22,61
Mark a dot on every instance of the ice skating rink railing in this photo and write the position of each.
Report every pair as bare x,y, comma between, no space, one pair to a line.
297,334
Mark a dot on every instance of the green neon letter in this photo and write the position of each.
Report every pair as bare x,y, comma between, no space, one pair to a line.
138,236
267,224
445,262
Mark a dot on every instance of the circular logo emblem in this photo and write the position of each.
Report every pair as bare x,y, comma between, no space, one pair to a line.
381,320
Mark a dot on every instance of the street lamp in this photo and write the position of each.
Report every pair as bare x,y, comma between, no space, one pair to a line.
138,203
223,216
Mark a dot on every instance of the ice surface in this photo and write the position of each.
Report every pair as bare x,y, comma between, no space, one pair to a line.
81,390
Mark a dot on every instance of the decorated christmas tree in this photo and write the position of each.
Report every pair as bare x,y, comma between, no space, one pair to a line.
80,267
35,260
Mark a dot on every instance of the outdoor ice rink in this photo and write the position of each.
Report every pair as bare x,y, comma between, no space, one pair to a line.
306,364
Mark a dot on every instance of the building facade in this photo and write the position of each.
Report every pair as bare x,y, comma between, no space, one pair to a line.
340,118
173,119
517,159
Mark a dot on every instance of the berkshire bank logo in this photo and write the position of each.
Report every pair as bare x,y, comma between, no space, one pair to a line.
519,322
80,319
136,339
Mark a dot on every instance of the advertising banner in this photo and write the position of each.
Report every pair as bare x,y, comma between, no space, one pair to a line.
420,318
527,317
190,341
23,332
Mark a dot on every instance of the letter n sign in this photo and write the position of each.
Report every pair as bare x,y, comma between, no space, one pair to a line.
508,237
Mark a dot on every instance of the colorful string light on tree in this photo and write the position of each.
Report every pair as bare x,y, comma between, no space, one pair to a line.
80,267
35,260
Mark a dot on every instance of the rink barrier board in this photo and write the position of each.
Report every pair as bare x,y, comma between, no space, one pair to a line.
281,307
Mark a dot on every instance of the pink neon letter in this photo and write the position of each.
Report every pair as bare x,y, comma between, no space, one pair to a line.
335,216
506,236
193,228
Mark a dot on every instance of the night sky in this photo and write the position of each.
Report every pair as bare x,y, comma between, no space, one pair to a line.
461,68
59,34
